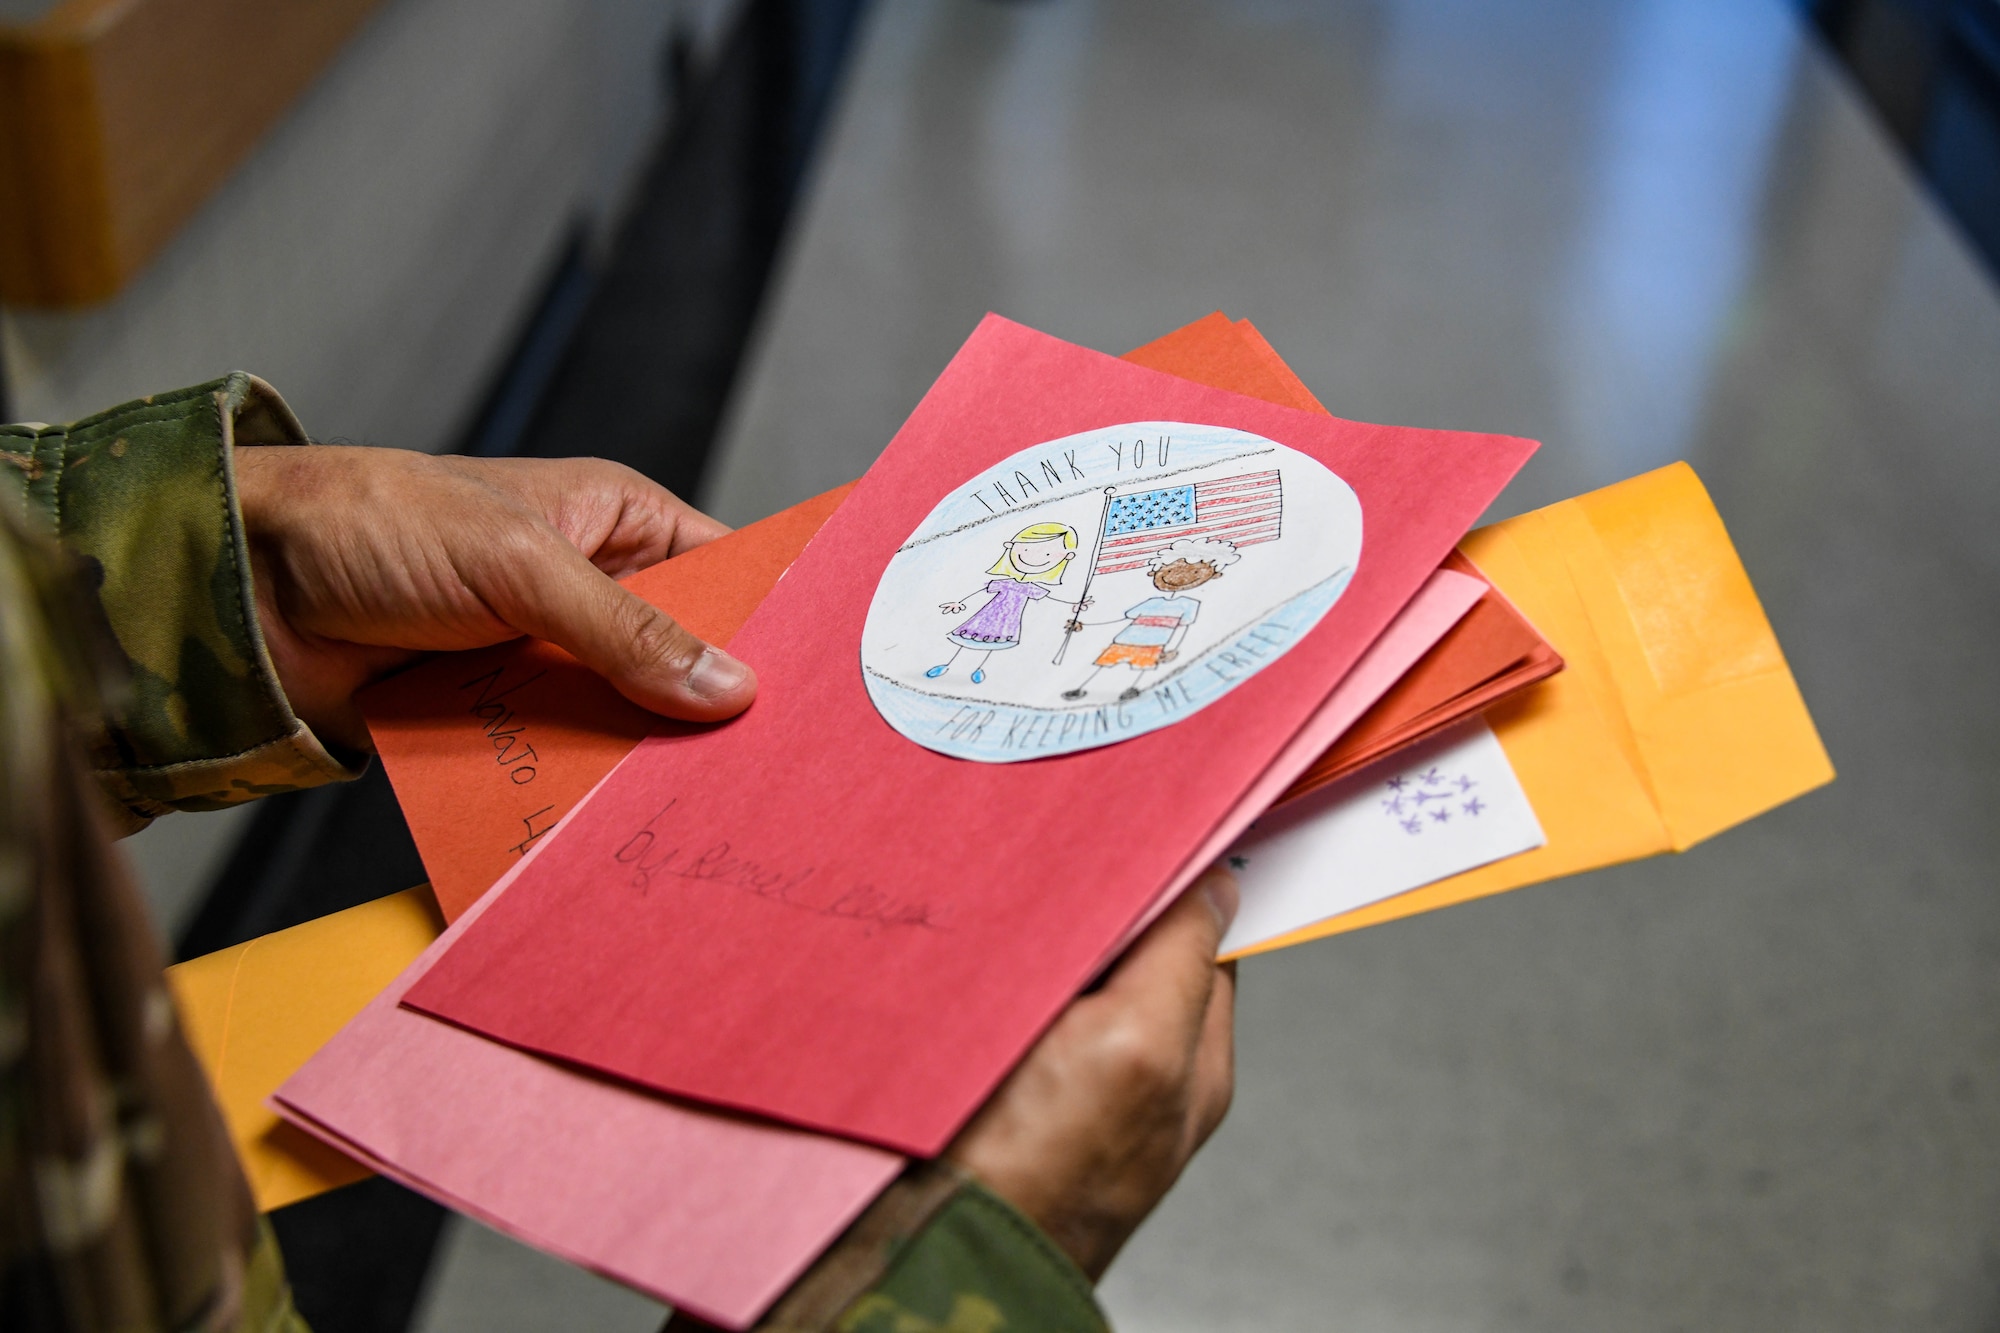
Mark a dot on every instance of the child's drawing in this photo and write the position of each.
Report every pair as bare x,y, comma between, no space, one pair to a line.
1036,557
1217,550
1155,627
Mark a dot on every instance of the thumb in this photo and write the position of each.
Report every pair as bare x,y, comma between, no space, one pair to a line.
1170,970
558,595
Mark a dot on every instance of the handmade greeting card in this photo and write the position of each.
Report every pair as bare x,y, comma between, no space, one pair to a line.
839,910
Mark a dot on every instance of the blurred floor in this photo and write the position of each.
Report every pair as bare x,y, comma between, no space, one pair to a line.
1756,1087
482,1282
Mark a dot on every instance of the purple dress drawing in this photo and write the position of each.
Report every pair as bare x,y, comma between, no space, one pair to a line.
997,624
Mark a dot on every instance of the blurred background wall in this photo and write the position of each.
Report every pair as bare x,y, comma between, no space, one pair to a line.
379,250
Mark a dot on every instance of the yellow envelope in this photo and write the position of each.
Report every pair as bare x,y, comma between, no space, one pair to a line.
1674,716
256,1012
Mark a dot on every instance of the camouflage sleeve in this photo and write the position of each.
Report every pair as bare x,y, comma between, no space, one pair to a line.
122,1207
937,1253
146,495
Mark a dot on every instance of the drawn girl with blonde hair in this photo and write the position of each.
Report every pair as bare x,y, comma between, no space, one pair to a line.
1036,557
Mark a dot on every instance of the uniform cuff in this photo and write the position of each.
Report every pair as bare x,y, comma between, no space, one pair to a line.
939,1250
145,495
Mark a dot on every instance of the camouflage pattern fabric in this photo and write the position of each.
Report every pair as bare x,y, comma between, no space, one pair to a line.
979,1267
937,1252
122,1209
145,495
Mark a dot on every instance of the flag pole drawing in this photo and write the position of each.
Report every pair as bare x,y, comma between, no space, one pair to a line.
1243,510
1070,626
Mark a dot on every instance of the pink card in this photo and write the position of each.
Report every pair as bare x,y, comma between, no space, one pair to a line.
854,907
713,1213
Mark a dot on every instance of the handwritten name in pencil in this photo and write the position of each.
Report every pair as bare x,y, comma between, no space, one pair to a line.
511,749
647,857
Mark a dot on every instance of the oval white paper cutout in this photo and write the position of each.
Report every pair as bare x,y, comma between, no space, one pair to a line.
1204,554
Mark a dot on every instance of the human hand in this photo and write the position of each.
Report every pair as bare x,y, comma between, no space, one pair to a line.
1074,626
950,608
365,557
1170,654
1094,1126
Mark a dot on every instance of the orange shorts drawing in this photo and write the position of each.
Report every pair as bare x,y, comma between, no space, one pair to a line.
1144,656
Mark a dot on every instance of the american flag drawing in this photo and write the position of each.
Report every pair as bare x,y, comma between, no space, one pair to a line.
1243,510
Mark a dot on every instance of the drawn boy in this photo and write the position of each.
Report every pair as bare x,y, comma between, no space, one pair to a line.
1155,627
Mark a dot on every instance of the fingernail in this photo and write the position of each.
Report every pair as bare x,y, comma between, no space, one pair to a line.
716,673
1219,887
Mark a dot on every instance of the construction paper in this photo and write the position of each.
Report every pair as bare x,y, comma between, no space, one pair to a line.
803,915
254,1013
487,750
1230,355
1156,549
1446,805
713,1213
1675,716
1488,655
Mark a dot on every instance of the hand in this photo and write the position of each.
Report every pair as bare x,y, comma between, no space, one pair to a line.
1170,654
1093,1127
951,608
364,557
1074,626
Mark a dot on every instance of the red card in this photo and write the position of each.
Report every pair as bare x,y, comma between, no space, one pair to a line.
1484,658
806,915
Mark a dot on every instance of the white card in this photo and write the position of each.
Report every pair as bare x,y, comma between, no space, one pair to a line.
1417,817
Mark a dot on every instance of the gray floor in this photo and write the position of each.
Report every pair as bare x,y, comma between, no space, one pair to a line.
1755,1087
482,1282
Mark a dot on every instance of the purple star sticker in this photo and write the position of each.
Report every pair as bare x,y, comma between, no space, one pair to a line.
1473,807
1413,825
1465,783
1441,815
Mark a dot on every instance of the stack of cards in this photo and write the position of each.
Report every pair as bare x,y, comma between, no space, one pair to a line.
1088,625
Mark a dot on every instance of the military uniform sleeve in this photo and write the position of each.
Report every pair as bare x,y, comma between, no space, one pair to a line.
122,1207
145,494
938,1253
